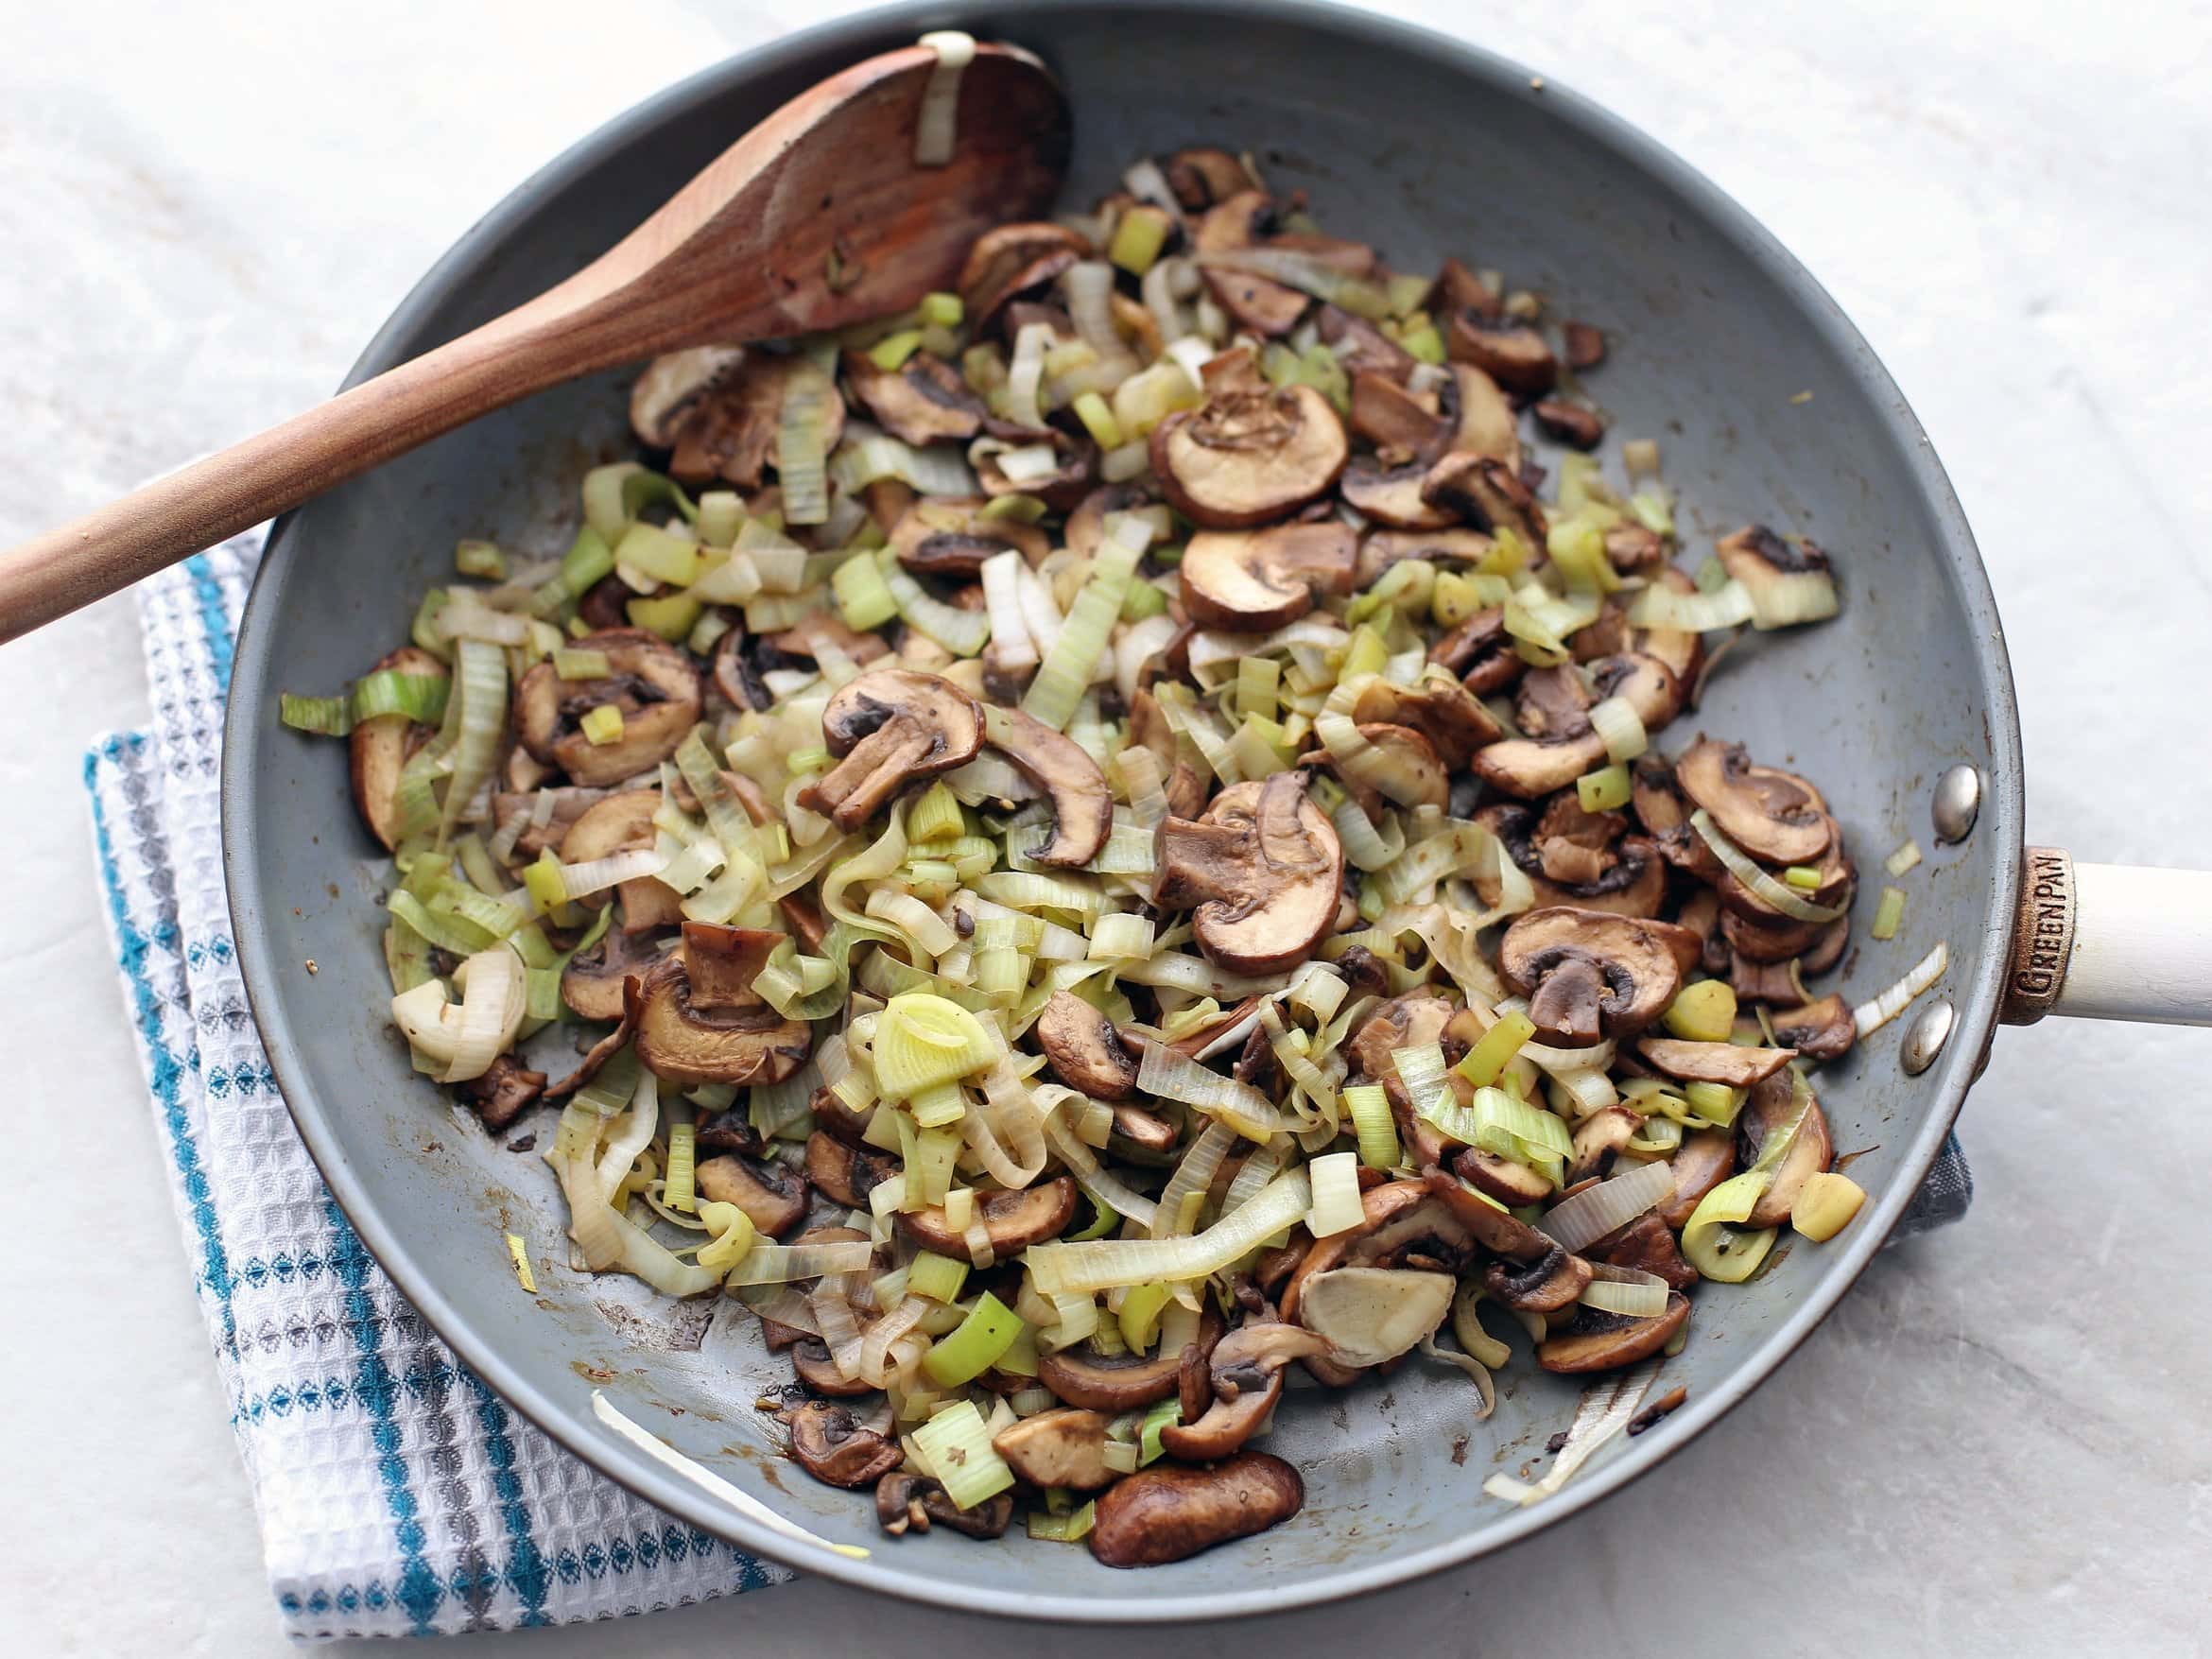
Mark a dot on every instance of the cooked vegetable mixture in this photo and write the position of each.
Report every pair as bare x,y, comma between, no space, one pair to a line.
1106,839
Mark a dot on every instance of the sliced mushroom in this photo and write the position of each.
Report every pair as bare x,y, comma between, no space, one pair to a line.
1148,1137
1392,495
945,535
1511,353
597,1056
1252,581
1772,815
1705,1160
1810,1151
622,823
1458,289
1771,982
1646,1244
1014,1219
569,803
650,680
1589,974
1402,425
1503,1234
1261,874
1633,549
1597,866
1682,650
807,637
1247,456
1243,1380
1598,1139
1064,1448
1485,422
1011,260
379,745
1486,492
592,982
504,1092
1545,1284
1419,773
1084,1051
772,1196
1411,1021
906,1503
1239,221
1531,768
922,400
1571,424
1512,1185
1586,345
729,430
1203,176
1835,879
1371,1314
1172,1510
1361,348
1148,726
1784,580
1733,1064
1594,1341
893,727
812,1365
1124,1382
1085,530
1403,1224
1480,652
1082,806
832,1446
1437,706
1061,488
673,385
845,1173
1819,1030
1457,544
680,1043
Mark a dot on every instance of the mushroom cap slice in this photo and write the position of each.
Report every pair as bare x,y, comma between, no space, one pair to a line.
811,1364
1396,1216
1705,1158
846,1173
1598,1139
569,803
1623,874
1810,1152
1400,423
1242,1381
1487,492
1511,353
1392,495
948,535
1013,259
1606,1341
921,402
1261,874
624,823
1247,457
830,1445
1512,1185
1081,1377
1371,1314
650,680
1486,422
503,1092
1252,581
1819,1030
906,1503
807,637
673,385
1063,1448
1787,582
378,747
680,1043
1084,1051
1774,816
1545,1284
771,1195
1239,220
1589,974
1061,488
1532,768
1014,1219
1648,1245
592,982
729,429
1419,771
1082,806
1172,1510
1361,348
1439,707
893,727
1203,176
1503,1234
1457,544
1714,1063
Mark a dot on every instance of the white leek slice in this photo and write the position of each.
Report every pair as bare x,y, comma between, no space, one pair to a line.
1775,894
938,127
1879,1010
1102,1264
1596,1211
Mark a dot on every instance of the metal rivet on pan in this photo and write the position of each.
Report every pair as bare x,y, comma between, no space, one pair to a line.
1958,802
1925,1037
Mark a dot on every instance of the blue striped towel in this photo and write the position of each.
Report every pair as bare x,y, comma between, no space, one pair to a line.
397,1495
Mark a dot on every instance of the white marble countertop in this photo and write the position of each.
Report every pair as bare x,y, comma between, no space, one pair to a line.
1997,1444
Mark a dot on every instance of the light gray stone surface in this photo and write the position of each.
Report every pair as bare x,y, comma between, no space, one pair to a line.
1998,1443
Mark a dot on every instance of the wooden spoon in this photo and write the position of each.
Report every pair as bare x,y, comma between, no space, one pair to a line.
817,217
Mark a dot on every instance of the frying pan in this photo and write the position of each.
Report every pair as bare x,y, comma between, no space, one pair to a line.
1902,710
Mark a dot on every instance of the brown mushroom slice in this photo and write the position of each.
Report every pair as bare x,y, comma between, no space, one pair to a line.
1173,1510
892,727
1082,806
1480,652
622,823
1775,941
845,1173
1361,348
1788,583
680,1043
1439,707
1511,353
532,837
1532,768
1419,775
650,680
807,637
1395,1215
1243,1380
1810,1151
1682,650
1247,456
1261,874
504,1092
1014,1220
1607,1341
1260,304
592,982
1549,1282
1646,1244
812,1365
1585,344
1834,877
1567,862
1085,529
830,1445
673,385
948,535
1392,495
1402,425
1598,1139
1061,488
1633,547
1486,424
1065,1447
730,431
378,747
1014,259
1253,580
1203,176
1504,1235
1454,545
1778,983
1733,1064
906,1503
1774,816
1371,1314
1487,492
1571,424
1705,1158
1084,1051
1458,289
771,1195
922,400
1125,1381
1144,1132
1819,1030
1589,974
1512,1185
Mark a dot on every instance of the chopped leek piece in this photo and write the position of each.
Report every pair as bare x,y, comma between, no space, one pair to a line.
954,1446
891,351
1806,878
1065,673
660,554
1713,1241
1140,1315
1368,1107
1097,419
1616,721
863,597
1604,790
1714,1103
1335,1180
938,1277
481,558
936,817
580,664
1072,1528
670,616
682,1155
323,716
1904,858
1890,913
1703,1012
1826,1205
923,1039
966,1354
1160,1415
1496,1048
588,561
603,724
518,1253
942,310
1139,238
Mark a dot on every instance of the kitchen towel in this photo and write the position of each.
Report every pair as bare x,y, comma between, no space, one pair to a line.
397,1495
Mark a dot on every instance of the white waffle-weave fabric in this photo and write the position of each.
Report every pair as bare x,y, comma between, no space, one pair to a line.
397,1495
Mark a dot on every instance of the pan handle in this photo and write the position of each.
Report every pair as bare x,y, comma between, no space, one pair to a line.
2110,941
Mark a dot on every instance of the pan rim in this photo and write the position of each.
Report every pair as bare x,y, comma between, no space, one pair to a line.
1978,978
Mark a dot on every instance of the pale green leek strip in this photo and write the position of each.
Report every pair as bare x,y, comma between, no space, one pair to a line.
1060,1269
1067,672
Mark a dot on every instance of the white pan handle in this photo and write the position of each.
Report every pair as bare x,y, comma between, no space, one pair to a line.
2110,941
